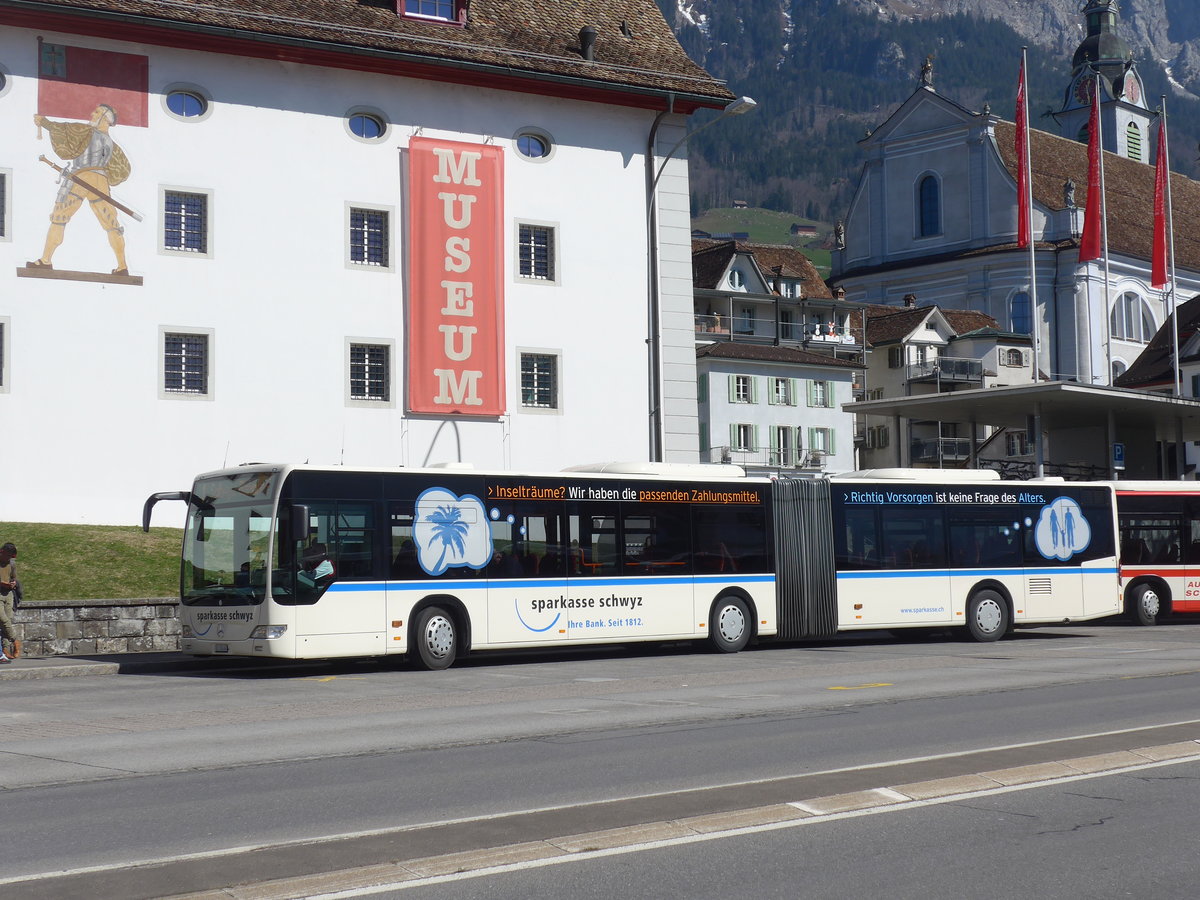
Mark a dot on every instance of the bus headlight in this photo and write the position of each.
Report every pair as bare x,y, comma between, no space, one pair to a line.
267,632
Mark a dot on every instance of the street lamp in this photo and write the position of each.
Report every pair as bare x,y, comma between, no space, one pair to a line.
733,108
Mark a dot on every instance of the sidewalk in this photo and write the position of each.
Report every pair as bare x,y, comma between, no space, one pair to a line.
122,664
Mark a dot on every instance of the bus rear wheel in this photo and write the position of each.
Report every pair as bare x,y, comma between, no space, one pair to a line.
1145,605
729,625
987,616
436,638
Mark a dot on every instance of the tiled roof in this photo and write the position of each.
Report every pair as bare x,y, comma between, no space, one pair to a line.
772,353
517,37
887,324
1154,367
1128,191
710,259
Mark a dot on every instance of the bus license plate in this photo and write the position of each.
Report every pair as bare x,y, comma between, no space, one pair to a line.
222,648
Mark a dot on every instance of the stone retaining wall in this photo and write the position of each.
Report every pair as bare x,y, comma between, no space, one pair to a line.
70,627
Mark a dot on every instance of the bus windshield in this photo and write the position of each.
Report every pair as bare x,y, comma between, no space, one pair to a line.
227,543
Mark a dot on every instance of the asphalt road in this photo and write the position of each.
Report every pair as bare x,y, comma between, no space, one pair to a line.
156,784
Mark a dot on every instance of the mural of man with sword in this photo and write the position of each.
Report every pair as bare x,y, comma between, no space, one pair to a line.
96,165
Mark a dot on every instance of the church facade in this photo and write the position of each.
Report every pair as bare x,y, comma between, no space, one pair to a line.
935,214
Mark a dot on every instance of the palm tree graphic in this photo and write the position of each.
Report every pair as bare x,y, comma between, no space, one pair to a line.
450,529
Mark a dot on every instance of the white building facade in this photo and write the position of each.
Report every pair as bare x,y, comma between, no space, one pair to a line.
362,234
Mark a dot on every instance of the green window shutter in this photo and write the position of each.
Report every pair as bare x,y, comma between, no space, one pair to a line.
829,395
733,435
812,394
753,389
705,446
774,442
754,438
732,388
772,391
832,441
799,438
702,388
794,391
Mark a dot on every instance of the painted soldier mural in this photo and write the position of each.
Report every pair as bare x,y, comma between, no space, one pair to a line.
95,165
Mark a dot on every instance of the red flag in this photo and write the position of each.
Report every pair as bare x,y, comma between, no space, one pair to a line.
1158,257
1023,210
1093,226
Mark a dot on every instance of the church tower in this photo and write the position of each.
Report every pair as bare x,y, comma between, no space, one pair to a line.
1124,117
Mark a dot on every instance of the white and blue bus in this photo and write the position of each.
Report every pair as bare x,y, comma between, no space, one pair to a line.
311,562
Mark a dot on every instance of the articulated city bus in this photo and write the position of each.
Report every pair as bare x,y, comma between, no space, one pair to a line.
310,562
1159,523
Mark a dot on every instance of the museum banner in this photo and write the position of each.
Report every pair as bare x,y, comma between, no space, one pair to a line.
456,279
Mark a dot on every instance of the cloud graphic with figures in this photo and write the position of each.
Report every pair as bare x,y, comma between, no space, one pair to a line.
451,531
1061,530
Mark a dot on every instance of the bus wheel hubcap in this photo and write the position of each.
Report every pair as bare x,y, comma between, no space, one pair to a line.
731,623
987,617
1150,603
439,636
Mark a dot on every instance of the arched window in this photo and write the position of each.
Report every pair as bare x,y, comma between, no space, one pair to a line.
1014,358
1133,141
1118,369
1019,318
1131,319
929,207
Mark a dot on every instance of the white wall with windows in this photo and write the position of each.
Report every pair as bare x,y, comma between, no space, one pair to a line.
267,279
766,416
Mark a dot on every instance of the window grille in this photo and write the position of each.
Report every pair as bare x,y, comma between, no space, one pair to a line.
370,372
537,252
185,222
185,363
539,380
369,237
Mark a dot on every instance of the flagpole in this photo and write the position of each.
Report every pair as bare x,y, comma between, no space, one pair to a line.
1104,234
1033,301
1178,375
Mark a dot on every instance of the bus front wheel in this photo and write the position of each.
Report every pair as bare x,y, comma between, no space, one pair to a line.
436,638
729,625
1145,605
987,616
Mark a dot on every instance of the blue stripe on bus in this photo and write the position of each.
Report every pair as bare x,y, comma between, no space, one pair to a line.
972,573
532,583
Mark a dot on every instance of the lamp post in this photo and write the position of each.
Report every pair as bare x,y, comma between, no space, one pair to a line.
653,340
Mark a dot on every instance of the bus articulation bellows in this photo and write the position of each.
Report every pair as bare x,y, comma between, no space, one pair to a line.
311,562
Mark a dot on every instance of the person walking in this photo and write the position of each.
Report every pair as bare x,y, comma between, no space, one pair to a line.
9,590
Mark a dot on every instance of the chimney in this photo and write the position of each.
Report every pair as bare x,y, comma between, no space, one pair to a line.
910,300
587,42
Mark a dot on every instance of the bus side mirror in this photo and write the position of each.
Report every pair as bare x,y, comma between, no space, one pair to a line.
185,496
299,522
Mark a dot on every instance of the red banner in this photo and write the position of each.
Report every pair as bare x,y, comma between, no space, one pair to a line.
1162,171
456,279
1023,210
1093,213
73,81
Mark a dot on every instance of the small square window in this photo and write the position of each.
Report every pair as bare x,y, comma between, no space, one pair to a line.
369,237
370,372
539,380
5,175
536,252
185,222
432,9
4,354
185,363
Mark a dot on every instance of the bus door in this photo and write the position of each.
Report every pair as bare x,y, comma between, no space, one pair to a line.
658,594
527,592
595,573
340,606
1059,538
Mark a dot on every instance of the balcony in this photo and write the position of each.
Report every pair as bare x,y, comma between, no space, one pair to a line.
761,330
947,370
938,450
810,460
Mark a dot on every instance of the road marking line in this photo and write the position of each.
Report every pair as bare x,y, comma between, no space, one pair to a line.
860,687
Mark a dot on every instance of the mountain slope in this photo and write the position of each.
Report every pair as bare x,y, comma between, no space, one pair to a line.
826,71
